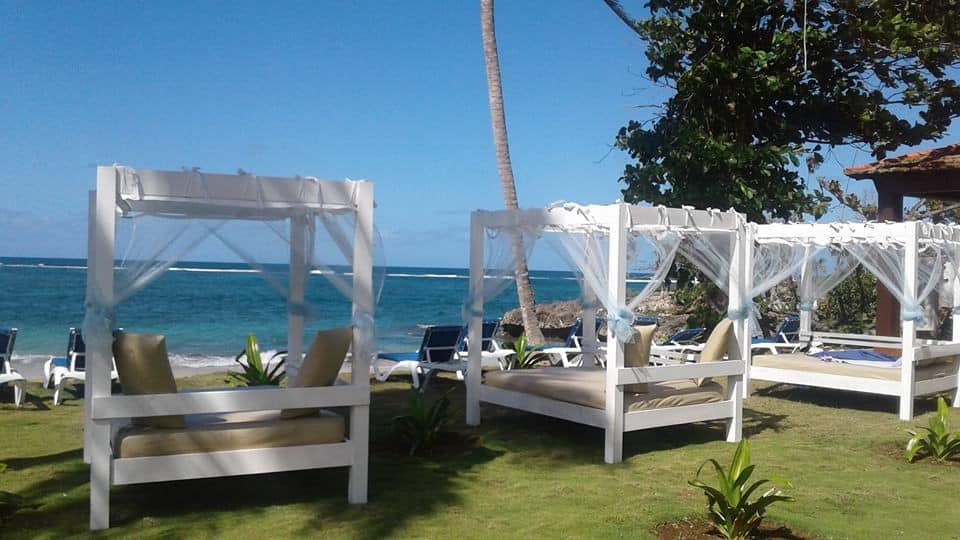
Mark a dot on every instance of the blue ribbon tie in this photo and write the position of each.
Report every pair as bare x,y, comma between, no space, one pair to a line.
620,324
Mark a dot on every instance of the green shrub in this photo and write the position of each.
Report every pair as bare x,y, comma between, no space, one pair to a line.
524,357
255,372
422,425
936,440
729,505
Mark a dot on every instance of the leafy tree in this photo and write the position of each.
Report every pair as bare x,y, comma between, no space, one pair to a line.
758,85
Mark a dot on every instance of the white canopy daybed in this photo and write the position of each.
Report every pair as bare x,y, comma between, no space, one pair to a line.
909,259
197,206
599,242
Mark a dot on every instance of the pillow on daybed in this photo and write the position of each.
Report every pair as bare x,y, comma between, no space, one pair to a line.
717,345
637,353
321,365
144,368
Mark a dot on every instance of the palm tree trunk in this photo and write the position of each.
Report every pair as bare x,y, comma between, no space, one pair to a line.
531,324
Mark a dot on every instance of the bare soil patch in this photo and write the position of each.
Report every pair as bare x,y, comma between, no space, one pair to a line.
701,529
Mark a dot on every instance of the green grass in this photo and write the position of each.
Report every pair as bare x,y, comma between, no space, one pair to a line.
532,477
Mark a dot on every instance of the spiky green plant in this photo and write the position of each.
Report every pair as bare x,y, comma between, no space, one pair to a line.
730,508
936,440
255,371
524,356
422,424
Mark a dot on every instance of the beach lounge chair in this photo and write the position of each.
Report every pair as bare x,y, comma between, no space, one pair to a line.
785,339
684,338
440,346
60,369
8,336
683,342
439,342
570,353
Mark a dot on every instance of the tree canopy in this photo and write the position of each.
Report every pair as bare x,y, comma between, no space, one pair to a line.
760,86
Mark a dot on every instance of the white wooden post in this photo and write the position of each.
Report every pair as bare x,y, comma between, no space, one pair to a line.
298,282
363,346
589,347
806,316
99,357
474,374
955,323
738,289
613,433
91,281
908,328
743,239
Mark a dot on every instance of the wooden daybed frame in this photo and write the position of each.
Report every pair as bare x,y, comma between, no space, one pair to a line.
121,190
915,352
618,220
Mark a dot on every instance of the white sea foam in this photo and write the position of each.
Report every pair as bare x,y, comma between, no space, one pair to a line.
215,270
42,265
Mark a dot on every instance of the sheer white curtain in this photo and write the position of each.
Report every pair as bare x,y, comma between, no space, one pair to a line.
951,254
773,262
712,253
147,246
499,265
885,260
587,252
824,268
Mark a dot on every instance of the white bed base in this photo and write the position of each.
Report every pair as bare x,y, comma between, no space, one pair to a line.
638,420
617,220
926,349
227,196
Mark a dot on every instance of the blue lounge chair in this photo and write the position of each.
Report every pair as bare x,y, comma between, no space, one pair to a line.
689,336
8,337
787,337
443,348
439,344
60,369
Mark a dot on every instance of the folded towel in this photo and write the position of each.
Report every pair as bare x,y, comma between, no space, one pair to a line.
860,357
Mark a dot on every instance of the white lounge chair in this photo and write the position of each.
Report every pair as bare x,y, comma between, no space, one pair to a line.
444,348
8,336
60,369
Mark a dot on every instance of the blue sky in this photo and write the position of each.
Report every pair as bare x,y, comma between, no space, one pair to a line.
390,91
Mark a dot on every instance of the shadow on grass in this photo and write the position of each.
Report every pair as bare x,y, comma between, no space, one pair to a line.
400,488
844,399
17,464
565,442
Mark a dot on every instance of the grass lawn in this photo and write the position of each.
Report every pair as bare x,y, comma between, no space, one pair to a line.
528,477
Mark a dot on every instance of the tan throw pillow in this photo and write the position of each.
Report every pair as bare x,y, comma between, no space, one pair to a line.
637,353
321,365
144,368
717,345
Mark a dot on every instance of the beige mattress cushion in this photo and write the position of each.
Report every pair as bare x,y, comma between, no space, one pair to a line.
321,365
803,362
233,431
144,368
585,386
636,353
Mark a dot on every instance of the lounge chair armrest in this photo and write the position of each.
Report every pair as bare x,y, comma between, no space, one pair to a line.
230,400
690,354
725,368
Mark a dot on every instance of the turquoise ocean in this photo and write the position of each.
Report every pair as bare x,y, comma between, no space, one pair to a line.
207,309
